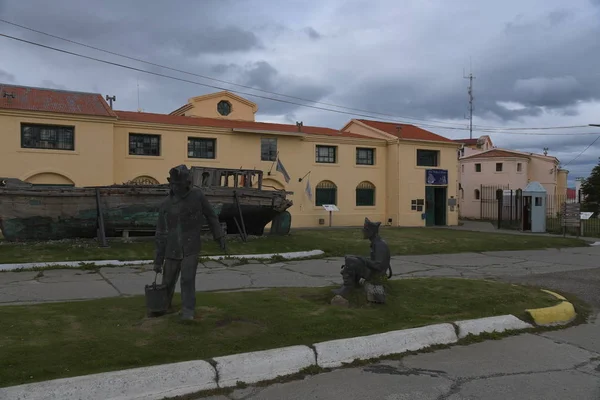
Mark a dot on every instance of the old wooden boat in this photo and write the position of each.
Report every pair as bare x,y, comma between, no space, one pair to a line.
30,212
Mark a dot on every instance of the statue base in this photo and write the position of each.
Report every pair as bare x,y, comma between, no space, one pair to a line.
375,293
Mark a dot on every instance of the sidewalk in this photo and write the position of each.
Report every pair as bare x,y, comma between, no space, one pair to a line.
481,226
73,284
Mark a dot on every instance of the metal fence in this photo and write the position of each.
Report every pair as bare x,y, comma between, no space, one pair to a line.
591,226
489,202
504,208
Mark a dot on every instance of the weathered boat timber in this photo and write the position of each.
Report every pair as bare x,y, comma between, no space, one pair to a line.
29,212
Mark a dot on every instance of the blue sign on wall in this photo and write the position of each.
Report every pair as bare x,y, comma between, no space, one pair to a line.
436,176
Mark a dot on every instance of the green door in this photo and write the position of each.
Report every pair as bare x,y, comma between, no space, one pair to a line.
440,205
429,205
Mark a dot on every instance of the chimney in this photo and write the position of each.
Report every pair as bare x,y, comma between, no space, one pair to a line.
299,125
399,130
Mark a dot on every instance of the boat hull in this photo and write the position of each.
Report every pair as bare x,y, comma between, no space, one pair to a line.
35,214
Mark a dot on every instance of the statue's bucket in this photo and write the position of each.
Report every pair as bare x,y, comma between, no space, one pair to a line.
157,298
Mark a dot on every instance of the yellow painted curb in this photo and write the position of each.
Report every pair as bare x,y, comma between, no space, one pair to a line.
562,313
558,296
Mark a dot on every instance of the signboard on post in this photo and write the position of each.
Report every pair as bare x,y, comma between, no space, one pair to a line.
330,208
571,216
586,215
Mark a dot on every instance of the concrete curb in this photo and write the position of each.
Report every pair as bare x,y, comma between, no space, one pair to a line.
99,263
263,365
147,383
499,324
335,353
178,379
560,314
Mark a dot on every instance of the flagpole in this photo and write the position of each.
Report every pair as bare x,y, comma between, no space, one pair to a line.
276,158
301,179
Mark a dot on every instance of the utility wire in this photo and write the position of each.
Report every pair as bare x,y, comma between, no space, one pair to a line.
264,97
489,128
583,151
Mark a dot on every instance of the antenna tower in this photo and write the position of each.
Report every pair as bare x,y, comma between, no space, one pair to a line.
470,77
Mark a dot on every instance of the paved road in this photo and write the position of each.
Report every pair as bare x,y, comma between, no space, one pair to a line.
558,365
71,284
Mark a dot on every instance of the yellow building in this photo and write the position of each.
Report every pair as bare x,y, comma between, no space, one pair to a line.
395,173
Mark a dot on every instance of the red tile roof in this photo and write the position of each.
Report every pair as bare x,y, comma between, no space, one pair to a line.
468,142
496,153
52,100
571,193
233,124
406,132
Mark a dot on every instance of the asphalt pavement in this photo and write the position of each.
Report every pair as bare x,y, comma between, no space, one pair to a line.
74,284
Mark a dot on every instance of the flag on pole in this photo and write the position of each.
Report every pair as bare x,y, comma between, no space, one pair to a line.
281,168
308,189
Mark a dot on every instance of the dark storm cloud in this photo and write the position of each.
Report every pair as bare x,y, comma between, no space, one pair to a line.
312,33
541,55
157,29
6,76
526,64
552,92
262,75
49,84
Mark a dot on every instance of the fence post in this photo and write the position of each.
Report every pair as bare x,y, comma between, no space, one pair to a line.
499,197
481,201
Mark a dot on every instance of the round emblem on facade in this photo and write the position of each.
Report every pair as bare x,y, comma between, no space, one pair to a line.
224,107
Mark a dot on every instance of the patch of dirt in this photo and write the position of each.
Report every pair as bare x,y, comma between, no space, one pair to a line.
237,327
75,326
39,322
142,343
207,310
319,311
148,324
227,321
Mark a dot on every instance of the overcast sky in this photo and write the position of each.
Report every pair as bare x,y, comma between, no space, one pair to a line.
536,62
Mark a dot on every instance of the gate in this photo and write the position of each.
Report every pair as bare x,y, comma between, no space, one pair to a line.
510,209
502,206
488,202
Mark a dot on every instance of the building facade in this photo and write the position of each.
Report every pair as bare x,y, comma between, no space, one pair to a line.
506,169
398,174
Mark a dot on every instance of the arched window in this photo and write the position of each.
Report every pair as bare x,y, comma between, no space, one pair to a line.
325,193
365,194
49,179
477,195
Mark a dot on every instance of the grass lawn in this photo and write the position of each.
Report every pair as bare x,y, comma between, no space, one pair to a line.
48,341
334,242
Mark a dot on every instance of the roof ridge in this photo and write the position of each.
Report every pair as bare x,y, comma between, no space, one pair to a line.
389,123
229,120
48,89
484,152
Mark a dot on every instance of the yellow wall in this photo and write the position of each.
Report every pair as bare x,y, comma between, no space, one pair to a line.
412,179
406,181
237,149
102,157
91,163
206,106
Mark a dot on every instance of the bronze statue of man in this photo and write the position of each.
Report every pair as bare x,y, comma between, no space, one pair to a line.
178,232
356,268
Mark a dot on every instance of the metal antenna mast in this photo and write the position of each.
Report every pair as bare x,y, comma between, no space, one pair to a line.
470,77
